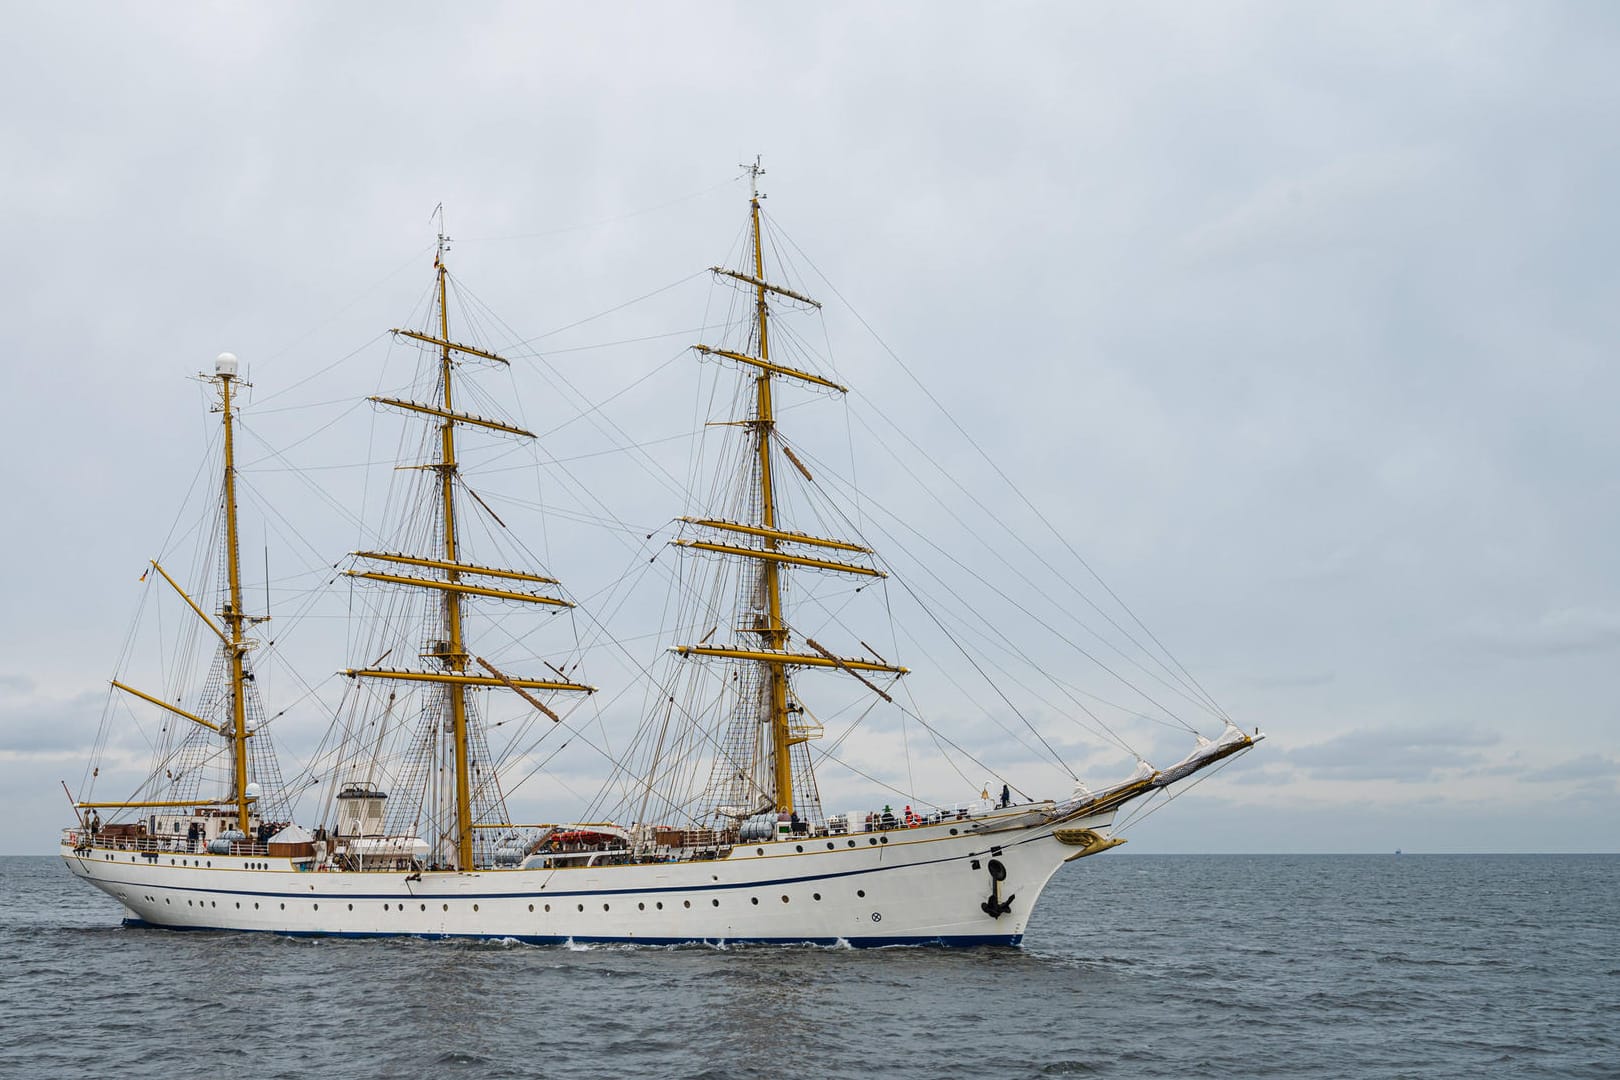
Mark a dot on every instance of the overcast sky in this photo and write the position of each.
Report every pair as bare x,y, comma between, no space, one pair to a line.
1295,320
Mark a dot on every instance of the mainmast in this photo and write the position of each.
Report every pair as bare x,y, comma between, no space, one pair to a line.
237,646
453,584
454,657
772,632
772,545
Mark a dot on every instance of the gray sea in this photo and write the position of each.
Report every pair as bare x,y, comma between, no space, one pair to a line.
1134,966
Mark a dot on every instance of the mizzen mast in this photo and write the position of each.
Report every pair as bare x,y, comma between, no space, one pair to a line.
235,618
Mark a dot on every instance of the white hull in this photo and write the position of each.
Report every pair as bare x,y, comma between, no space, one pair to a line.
924,885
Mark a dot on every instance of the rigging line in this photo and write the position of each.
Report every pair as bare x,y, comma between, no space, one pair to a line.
657,471
1018,492
321,492
271,513
310,406
617,307
1108,731
604,221
1145,811
825,757
598,406
1000,642
417,254
203,466
937,736
1185,691
945,672
1008,598
621,769
696,330
988,681
584,457
329,367
353,405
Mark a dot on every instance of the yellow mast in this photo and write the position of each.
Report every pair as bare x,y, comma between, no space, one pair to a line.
776,543
455,656
236,647
460,579
773,630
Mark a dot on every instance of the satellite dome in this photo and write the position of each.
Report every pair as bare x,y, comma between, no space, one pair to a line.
225,364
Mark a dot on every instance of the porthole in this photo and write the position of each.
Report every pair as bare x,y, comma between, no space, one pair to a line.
255,905
239,905
531,907
815,896
166,900
660,905
548,907
210,862
759,851
424,907
831,845
716,903
213,903
754,901
688,903
582,907
852,843
188,903
871,839
283,907
799,848
475,907
784,898
447,907
641,907
317,907
953,832
883,839
860,892
604,907
351,907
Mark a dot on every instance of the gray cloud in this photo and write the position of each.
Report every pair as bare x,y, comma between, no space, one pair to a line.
1408,755
1586,767
1553,634
1301,335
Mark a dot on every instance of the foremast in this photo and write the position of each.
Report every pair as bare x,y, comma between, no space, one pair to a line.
767,542
457,579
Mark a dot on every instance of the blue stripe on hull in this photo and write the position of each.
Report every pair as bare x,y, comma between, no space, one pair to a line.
954,941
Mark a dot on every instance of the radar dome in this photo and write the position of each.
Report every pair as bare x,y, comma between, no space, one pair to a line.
225,364
253,788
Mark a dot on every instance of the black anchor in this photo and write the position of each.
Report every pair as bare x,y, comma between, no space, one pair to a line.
996,907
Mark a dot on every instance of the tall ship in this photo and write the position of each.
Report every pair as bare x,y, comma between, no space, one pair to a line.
400,823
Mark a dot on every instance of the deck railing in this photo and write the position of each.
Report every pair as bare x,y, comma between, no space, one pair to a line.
110,841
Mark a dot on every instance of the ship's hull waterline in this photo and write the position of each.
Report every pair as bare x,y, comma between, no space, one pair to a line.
929,885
